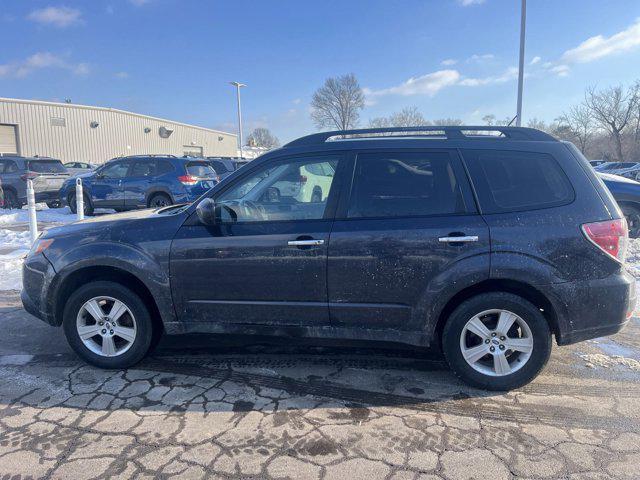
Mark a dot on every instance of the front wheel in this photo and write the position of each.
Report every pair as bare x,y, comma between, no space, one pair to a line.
108,325
632,215
73,206
497,341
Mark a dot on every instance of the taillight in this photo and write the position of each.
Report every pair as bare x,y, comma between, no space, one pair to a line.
188,179
610,236
28,176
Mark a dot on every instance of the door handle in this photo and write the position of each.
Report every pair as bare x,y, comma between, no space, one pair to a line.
466,238
304,243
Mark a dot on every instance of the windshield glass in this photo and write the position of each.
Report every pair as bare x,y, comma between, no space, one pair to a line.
45,166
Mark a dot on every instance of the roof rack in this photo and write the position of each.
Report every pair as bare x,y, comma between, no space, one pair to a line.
457,132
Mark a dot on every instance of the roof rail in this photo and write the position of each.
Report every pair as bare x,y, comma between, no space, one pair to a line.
457,132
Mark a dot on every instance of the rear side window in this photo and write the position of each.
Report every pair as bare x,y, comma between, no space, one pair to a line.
508,181
219,166
200,169
164,166
46,166
405,184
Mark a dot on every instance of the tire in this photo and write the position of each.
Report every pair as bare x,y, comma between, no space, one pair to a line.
316,196
632,215
524,367
11,200
54,204
159,200
124,353
88,207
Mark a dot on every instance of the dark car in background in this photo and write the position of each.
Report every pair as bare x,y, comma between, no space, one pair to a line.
225,166
76,168
47,175
486,246
627,194
141,182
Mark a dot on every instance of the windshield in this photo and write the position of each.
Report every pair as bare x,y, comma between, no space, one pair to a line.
46,166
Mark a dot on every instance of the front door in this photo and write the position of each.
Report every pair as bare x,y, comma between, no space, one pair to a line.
393,245
265,261
107,190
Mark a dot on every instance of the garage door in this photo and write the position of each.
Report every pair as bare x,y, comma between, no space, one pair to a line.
8,142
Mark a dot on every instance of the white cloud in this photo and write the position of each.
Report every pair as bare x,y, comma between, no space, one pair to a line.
121,75
39,61
296,101
561,70
599,46
481,58
466,3
428,84
139,3
509,74
448,62
60,17
535,60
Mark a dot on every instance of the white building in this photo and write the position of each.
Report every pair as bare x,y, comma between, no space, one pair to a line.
96,134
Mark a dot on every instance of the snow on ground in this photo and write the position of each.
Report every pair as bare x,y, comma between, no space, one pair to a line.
47,215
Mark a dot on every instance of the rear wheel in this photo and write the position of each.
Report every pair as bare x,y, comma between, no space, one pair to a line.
497,341
159,200
108,325
11,199
632,214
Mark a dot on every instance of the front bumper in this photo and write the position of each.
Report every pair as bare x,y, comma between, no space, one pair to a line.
37,274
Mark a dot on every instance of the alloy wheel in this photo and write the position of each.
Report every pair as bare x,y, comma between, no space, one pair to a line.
106,326
496,342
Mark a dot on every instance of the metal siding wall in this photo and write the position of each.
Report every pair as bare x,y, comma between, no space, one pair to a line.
117,130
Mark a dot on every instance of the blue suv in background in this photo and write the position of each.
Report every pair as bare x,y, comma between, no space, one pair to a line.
141,182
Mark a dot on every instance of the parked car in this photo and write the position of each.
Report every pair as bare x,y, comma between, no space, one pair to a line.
595,163
487,246
618,168
141,182
76,168
225,166
47,174
627,194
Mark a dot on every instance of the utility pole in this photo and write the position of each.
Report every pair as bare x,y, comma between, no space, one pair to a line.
523,22
238,85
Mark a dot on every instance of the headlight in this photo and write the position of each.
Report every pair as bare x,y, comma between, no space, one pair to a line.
39,246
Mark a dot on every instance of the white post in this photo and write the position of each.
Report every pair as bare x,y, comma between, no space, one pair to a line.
79,199
31,203
523,23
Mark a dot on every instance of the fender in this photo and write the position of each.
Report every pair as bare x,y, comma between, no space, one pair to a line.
124,257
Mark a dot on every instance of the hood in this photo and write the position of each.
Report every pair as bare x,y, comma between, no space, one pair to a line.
107,222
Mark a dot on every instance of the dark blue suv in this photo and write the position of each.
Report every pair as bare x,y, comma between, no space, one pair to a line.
140,182
486,245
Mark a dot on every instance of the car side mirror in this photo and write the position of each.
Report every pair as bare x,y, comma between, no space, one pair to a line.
206,211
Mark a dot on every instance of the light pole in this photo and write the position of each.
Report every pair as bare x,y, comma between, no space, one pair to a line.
523,21
238,85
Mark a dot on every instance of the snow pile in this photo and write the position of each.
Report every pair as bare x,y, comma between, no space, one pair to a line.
11,269
47,215
595,360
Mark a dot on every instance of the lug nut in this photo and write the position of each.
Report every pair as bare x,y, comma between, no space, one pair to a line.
101,323
492,349
503,338
111,332
501,347
104,331
493,334
487,341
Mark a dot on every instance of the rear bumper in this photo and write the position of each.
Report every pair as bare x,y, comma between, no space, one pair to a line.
47,196
591,309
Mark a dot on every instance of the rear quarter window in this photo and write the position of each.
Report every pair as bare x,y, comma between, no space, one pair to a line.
511,181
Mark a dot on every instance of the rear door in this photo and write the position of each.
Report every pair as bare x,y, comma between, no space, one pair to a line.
405,231
106,185
138,181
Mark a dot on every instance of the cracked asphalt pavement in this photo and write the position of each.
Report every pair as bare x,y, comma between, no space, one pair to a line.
222,407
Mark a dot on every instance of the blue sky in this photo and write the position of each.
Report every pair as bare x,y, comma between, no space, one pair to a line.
449,58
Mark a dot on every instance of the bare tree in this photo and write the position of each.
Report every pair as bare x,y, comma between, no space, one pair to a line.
613,109
491,120
407,117
578,123
443,122
337,103
262,137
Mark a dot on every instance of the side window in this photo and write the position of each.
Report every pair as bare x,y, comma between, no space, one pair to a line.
10,167
405,184
115,170
143,168
2,166
164,166
280,192
219,167
508,181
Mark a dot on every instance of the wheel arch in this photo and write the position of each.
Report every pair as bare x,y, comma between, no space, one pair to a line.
524,290
158,190
85,275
